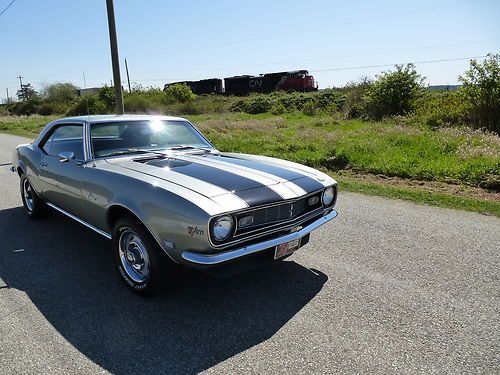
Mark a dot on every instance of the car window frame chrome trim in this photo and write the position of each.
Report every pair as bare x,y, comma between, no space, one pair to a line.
91,147
50,131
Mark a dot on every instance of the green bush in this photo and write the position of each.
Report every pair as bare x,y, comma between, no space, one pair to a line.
136,103
309,109
60,93
106,95
49,108
394,93
180,92
89,104
440,108
354,105
26,108
481,90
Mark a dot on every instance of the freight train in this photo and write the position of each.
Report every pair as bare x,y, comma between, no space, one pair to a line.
298,80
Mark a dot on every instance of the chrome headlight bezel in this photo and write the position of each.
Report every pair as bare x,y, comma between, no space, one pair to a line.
220,233
328,196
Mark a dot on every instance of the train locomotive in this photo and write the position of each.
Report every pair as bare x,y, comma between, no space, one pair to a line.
298,80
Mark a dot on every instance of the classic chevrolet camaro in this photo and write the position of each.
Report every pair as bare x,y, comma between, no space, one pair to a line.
159,190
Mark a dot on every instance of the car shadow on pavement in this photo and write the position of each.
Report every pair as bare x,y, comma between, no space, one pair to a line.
68,273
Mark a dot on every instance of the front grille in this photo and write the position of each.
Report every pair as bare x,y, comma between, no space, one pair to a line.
266,217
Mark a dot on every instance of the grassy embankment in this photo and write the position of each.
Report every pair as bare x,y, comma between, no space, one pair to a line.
447,167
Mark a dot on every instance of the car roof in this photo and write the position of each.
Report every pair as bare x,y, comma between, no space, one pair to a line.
92,119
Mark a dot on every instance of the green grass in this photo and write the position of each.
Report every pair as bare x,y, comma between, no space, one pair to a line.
391,148
26,126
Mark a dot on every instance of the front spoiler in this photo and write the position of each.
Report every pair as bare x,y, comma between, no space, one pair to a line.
209,260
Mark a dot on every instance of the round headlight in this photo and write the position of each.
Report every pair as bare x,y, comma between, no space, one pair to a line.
328,196
222,227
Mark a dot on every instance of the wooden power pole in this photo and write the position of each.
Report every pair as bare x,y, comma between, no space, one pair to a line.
114,57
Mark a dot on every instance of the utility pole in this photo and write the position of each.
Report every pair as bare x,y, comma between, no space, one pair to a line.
128,77
114,57
8,100
21,84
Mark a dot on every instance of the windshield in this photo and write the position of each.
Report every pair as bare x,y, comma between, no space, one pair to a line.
115,138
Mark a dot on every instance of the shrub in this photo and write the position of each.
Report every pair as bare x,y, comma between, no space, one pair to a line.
60,93
309,109
481,90
440,108
136,103
106,95
180,92
89,104
394,93
46,109
354,104
27,107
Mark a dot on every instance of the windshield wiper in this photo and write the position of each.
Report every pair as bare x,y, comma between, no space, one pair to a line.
189,147
133,151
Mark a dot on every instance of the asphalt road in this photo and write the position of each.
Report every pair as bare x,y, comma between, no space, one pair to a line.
387,287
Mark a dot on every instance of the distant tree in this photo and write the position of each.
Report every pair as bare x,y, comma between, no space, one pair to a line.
63,92
481,91
394,93
26,92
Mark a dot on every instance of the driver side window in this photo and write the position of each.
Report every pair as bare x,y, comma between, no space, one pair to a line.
65,138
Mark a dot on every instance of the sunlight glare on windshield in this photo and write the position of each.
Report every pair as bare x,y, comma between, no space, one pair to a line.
156,125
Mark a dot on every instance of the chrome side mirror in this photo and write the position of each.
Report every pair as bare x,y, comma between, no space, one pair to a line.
66,155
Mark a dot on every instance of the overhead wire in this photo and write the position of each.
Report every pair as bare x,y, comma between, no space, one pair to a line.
354,22
336,68
7,7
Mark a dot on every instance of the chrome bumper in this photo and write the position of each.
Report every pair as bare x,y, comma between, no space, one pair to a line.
219,258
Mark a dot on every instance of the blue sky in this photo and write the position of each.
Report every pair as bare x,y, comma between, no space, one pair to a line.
56,41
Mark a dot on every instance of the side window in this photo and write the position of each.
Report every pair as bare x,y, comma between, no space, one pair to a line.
65,138
47,143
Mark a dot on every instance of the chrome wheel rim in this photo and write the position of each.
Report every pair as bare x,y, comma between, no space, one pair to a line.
134,256
28,194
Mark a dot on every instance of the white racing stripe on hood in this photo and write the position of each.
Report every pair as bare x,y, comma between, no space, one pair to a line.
226,199
286,189
321,177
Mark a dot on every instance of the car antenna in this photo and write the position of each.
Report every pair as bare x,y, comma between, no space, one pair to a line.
88,110
86,98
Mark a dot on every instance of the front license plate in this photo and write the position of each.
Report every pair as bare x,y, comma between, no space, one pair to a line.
286,248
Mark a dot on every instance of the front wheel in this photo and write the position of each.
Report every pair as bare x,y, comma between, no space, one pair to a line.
141,262
34,207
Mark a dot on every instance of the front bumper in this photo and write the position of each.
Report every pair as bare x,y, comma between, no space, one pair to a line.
210,260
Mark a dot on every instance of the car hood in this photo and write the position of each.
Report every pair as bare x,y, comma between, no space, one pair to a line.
255,180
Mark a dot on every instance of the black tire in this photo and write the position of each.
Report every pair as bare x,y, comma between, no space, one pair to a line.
34,206
146,279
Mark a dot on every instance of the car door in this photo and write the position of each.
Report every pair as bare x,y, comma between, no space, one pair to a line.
61,168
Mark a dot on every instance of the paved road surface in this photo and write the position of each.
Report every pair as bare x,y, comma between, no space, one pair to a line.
388,287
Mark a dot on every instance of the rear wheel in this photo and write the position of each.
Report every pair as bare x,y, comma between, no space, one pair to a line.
34,207
141,262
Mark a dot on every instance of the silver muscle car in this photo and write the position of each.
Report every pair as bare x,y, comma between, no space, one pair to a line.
159,190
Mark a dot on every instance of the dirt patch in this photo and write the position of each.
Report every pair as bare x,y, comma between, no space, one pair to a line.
431,186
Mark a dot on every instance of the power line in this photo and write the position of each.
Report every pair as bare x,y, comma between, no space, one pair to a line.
393,64
334,69
377,18
7,7
334,57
